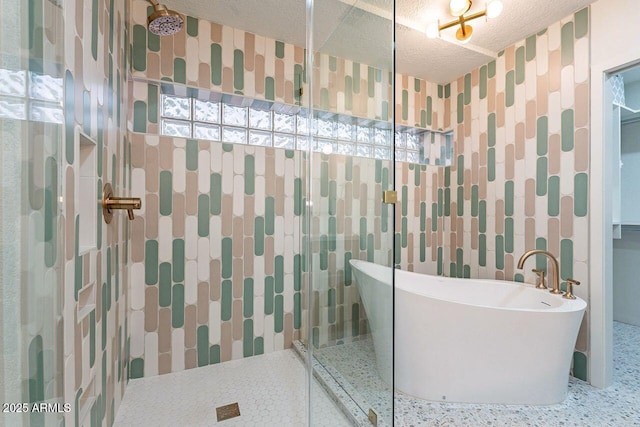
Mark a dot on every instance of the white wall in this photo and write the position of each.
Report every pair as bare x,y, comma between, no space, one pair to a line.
613,34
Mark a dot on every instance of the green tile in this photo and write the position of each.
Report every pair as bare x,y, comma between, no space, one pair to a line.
405,200
508,198
423,247
356,77
363,234
179,71
423,216
136,368
580,365
279,314
581,20
228,148
520,65
491,68
270,89
460,201
347,269
166,193
404,232
508,235
279,50
405,105
460,169
297,273
491,130
177,306
434,217
238,69
139,48
279,274
348,93
216,64
483,82
541,260
247,338
227,257
258,346
447,90
249,175
530,47
553,197
36,369
482,250
333,226
297,197
440,91
566,259
474,200
541,176
440,263
371,84
69,117
203,345
510,89
297,310
567,44
164,288
397,248
226,300
259,236
331,306
429,111
467,89
269,292
247,297
333,197
482,216
151,262
269,216
567,130
500,252
348,169
139,117
518,278
491,164
216,194
203,215
92,338
192,26
447,202
581,194
460,108
214,354
192,155
542,135
440,202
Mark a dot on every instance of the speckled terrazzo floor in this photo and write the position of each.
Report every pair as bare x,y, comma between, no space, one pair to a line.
618,405
270,391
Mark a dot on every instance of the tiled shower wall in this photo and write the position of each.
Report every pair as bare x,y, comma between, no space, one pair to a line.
95,312
520,180
521,173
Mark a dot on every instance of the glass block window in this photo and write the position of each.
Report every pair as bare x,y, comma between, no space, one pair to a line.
25,95
327,133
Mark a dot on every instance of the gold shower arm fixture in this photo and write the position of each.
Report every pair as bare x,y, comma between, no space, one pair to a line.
457,8
110,203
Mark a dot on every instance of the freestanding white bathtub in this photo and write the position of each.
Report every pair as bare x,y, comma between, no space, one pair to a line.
467,340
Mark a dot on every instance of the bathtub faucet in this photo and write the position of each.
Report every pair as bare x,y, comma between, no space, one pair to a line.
555,276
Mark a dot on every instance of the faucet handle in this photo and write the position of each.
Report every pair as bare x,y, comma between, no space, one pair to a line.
569,294
540,284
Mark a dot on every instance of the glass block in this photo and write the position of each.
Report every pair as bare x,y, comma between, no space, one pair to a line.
176,108
210,132
45,87
235,135
413,141
364,151
364,134
324,146
302,142
346,131
346,149
12,108
206,111
281,140
260,119
257,137
284,122
236,116
176,128
381,136
413,157
303,124
326,128
382,153
401,155
401,140
13,82
46,112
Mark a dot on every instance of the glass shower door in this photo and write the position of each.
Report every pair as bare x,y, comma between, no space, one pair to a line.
349,233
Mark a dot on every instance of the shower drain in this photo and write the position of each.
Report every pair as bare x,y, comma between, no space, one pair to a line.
228,411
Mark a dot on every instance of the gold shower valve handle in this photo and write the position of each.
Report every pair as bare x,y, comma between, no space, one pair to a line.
540,284
109,203
569,294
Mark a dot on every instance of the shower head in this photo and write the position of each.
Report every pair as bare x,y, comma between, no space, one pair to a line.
164,22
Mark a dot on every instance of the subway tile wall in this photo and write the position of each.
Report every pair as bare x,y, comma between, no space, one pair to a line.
520,181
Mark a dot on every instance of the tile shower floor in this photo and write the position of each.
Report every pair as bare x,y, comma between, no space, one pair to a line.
270,390
616,406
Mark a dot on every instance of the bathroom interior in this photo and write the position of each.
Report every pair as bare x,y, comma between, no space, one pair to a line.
246,212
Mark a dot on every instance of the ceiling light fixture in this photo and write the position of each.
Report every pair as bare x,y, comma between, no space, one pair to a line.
458,8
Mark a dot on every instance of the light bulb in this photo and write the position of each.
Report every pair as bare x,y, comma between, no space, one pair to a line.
433,31
494,8
459,7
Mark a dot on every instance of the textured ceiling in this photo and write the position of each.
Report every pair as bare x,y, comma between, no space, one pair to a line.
361,30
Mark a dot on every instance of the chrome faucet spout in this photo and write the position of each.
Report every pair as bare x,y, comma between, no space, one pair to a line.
555,274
